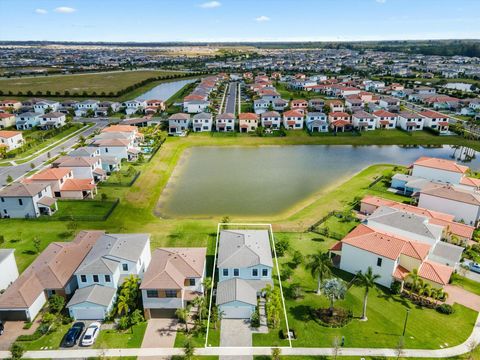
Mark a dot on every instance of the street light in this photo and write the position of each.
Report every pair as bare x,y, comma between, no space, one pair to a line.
405,324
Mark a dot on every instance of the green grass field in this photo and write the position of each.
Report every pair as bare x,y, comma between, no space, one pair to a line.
99,82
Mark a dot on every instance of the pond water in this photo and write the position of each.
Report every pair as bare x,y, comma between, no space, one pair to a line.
164,90
270,179
458,86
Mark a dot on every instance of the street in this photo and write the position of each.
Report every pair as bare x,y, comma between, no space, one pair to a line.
231,98
20,170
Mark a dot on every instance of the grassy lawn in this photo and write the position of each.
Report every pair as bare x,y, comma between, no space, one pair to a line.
99,82
80,209
199,339
51,340
114,339
121,178
467,284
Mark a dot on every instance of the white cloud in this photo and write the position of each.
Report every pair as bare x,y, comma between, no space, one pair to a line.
262,18
210,4
381,1
64,10
41,11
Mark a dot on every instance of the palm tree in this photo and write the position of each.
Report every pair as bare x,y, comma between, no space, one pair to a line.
199,302
320,266
123,306
207,285
367,281
425,290
415,278
334,289
182,314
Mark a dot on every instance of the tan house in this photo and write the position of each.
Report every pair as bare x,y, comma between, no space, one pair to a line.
7,120
248,122
173,279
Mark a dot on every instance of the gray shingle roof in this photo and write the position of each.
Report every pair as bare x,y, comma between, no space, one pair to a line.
236,289
244,248
446,253
95,294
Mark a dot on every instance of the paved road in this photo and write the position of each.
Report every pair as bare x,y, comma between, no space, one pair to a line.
231,98
20,170
249,351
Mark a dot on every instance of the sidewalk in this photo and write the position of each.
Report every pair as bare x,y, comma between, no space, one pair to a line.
215,351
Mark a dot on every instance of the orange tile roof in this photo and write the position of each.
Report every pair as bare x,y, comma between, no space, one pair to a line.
78,185
469,181
433,114
384,113
6,115
441,164
120,128
247,116
51,174
435,272
6,134
400,272
292,113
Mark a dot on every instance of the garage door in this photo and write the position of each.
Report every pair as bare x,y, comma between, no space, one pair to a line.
162,313
236,312
88,313
13,315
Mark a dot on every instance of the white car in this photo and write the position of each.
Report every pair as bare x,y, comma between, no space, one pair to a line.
91,334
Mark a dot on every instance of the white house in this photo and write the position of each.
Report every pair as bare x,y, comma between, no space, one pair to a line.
178,122
363,120
113,258
132,106
52,120
46,106
260,106
439,170
316,122
6,120
410,121
196,106
202,122
82,167
271,120
173,279
293,119
389,103
19,200
245,268
225,122
385,119
8,268
27,120
83,107
11,139
436,121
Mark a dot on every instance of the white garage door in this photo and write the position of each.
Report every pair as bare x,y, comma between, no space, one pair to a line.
237,312
89,313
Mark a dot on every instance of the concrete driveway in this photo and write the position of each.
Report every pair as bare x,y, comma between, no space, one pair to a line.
160,333
235,332
14,329
458,295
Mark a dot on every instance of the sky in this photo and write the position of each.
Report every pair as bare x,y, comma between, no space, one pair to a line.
238,20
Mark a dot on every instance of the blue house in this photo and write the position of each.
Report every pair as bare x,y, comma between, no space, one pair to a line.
244,268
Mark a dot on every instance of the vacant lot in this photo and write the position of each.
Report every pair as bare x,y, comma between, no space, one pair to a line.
100,82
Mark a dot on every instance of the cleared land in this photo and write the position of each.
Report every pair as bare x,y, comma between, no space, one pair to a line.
98,82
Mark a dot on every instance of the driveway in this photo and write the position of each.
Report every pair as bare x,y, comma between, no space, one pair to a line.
160,333
14,329
235,332
463,297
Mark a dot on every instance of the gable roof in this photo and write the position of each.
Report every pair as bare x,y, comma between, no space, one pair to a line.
451,193
435,272
170,267
94,294
441,164
247,116
236,289
6,134
244,248
51,174
23,189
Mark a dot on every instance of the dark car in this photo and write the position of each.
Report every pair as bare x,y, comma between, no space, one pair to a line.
2,328
73,334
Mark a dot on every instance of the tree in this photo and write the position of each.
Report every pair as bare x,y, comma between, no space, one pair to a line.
281,247
188,349
215,316
200,303
123,305
207,285
36,244
415,279
273,306
320,266
9,179
82,141
334,289
276,352
367,281
136,317
182,315
56,303
297,258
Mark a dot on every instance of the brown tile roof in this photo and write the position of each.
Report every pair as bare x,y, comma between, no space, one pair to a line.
171,266
450,193
52,269
75,161
383,113
22,189
51,174
247,116
78,185
441,164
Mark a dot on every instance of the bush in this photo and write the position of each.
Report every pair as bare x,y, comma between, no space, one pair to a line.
339,318
445,309
396,287
281,246
255,319
136,317
48,318
17,351
123,323
56,303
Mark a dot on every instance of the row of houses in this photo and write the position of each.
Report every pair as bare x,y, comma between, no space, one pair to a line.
73,176
395,238
89,270
198,100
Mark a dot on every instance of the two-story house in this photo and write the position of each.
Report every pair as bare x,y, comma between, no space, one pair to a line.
225,122
317,122
27,120
86,106
6,120
385,119
271,120
52,120
113,258
82,167
410,121
20,200
11,140
247,122
178,122
202,122
436,121
45,106
293,119
173,279
244,268
363,120
132,106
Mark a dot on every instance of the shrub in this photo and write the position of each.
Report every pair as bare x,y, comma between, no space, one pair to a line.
281,246
396,287
56,303
48,318
445,309
255,319
27,325
123,323
17,350
136,317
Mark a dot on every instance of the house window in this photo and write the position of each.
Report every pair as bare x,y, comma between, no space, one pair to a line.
225,272
191,282
83,278
95,278
20,202
152,294
170,293
125,267
236,272
254,272
379,261
107,278
264,272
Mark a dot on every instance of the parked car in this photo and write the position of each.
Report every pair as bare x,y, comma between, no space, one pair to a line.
91,334
2,328
73,334
475,267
